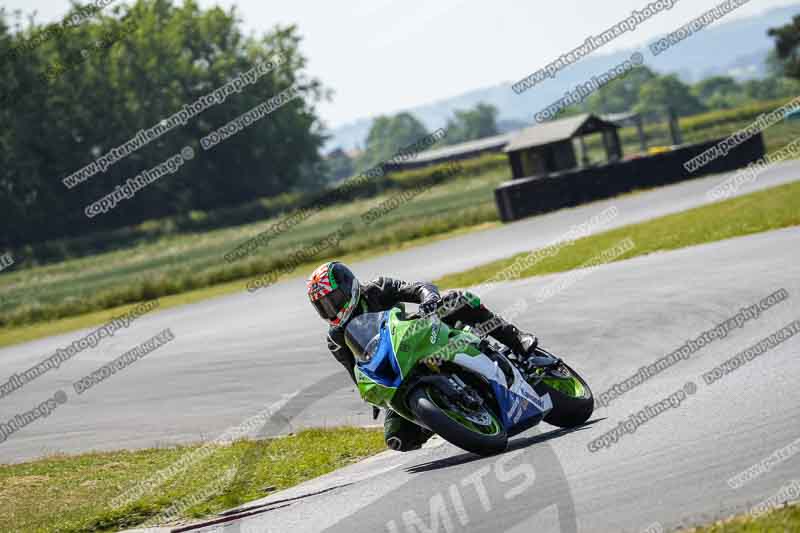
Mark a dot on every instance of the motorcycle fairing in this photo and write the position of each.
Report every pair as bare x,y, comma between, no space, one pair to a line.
519,404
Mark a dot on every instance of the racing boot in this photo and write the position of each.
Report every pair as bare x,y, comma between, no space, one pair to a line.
523,344
402,435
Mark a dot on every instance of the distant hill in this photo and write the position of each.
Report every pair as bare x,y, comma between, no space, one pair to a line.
745,42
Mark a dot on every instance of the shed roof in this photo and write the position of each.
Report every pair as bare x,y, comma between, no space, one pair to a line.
558,130
447,152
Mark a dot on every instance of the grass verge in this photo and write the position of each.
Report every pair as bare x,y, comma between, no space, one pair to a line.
766,210
186,263
783,520
18,334
753,213
72,494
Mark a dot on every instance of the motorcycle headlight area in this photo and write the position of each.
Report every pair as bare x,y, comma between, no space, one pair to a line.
369,351
363,335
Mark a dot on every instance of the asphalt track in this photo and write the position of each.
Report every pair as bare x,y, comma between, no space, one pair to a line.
671,472
235,355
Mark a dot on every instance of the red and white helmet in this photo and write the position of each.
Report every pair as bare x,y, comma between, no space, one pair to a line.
334,292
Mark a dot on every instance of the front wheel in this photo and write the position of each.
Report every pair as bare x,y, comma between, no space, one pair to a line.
478,431
573,402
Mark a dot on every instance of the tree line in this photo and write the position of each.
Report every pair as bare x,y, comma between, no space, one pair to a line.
70,94
643,90
72,91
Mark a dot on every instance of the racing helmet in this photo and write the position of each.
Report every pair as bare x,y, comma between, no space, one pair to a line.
334,292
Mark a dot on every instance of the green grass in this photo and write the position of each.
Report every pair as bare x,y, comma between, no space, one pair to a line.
774,208
255,211
182,263
783,520
72,494
18,334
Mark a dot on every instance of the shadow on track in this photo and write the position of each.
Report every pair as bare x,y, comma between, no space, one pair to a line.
517,444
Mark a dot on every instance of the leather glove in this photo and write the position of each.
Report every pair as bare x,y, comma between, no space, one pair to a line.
429,306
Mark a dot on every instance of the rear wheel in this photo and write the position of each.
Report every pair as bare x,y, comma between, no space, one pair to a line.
573,402
475,430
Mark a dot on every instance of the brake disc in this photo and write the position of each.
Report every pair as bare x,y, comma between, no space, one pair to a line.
481,418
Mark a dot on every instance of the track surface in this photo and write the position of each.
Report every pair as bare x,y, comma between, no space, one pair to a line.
237,354
234,355
672,470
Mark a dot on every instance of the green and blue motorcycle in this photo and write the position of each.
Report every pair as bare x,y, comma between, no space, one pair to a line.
473,392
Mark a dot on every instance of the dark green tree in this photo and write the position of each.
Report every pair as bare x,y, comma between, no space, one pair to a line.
720,92
787,47
471,124
709,87
662,92
771,88
338,165
89,88
620,96
389,134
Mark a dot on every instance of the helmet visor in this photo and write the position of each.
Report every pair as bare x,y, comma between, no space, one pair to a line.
329,305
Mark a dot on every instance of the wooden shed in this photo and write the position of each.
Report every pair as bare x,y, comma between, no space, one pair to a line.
547,148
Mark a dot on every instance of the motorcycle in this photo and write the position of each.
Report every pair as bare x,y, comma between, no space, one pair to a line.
473,392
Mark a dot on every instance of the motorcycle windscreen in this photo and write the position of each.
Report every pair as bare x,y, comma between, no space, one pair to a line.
368,338
362,335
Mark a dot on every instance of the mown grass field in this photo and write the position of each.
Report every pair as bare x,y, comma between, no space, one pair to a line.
782,520
23,333
181,263
168,262
766,210
73,494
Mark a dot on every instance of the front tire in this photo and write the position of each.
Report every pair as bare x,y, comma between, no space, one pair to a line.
430,407
573,401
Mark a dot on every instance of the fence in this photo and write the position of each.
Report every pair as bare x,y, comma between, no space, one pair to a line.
542,194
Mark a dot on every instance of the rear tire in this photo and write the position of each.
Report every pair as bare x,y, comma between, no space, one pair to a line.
426,409
569,410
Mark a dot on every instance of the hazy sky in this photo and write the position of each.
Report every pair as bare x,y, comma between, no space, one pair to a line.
381,56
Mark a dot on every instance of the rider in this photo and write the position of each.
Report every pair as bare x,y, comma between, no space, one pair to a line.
337,295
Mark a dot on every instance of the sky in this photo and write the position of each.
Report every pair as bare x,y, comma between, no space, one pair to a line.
383,56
